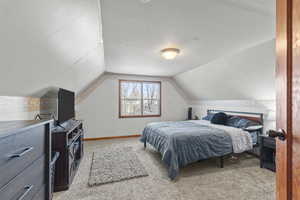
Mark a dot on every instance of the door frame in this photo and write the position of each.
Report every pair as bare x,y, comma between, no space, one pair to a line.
287,98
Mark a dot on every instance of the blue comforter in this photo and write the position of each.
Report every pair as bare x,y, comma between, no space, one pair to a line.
184,142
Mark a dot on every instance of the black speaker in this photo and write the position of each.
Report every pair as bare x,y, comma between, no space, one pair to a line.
190,113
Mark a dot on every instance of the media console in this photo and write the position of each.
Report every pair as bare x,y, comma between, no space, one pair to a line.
67,139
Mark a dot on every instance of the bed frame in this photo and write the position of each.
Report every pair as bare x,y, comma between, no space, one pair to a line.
257,117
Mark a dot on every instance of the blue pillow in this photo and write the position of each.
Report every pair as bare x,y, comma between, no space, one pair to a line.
244,123
239,122
233,121
208,117
219,118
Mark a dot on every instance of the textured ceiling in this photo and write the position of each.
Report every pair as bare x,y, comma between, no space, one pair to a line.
249,74
49,43
59,42
135,32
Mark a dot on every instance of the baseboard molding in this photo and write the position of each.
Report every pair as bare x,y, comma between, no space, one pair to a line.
110,138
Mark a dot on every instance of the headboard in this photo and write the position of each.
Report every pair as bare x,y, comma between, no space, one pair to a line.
257,117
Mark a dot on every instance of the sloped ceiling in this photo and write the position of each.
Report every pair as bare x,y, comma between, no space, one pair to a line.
249,74
59,43
136,30
49,43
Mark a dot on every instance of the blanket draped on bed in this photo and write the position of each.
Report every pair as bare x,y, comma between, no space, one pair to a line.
241,140
184,142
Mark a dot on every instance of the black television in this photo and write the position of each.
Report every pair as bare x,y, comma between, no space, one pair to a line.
66,105
59,104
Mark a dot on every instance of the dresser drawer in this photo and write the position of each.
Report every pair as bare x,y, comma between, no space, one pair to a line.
27,184
18,151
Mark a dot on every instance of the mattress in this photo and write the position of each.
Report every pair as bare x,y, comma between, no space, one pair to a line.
185,142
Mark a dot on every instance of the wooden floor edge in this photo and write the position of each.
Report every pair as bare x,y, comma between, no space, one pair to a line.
112,137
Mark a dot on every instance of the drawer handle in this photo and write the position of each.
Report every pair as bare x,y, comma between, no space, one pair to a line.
24,151
27,190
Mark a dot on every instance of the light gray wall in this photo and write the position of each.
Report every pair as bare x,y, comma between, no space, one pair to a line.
18,108
101,114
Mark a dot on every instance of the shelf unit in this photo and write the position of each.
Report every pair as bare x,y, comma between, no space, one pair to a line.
67,139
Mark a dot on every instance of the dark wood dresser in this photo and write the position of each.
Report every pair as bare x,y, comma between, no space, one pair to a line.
25,155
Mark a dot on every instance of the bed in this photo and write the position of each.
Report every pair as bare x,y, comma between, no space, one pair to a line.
183,142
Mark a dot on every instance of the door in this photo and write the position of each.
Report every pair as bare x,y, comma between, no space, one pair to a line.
288,99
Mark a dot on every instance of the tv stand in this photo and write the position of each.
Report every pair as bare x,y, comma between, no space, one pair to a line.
67,139
61,126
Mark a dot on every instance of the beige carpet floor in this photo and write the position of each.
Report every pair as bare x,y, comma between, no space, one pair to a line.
241,179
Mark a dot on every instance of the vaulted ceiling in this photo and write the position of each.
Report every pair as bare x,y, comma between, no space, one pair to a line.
248,74
135,31
49,43
70,43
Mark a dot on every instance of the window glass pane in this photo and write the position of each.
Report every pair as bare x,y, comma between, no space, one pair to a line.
131,94
151,91
131,98
131,107
151,107
131,90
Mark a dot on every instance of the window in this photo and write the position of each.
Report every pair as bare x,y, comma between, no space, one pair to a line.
139,98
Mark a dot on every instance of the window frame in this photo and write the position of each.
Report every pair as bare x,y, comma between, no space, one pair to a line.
142,99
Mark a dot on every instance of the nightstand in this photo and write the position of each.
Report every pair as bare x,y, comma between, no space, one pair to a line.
268,153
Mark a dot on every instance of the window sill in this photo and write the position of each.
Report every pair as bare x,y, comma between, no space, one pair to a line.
139,116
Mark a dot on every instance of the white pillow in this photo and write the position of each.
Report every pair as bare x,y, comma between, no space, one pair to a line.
253,128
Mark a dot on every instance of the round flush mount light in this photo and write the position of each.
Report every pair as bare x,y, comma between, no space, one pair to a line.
145,1
170,53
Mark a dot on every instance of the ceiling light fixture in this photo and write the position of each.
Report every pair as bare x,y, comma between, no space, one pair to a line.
170,53
145,1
